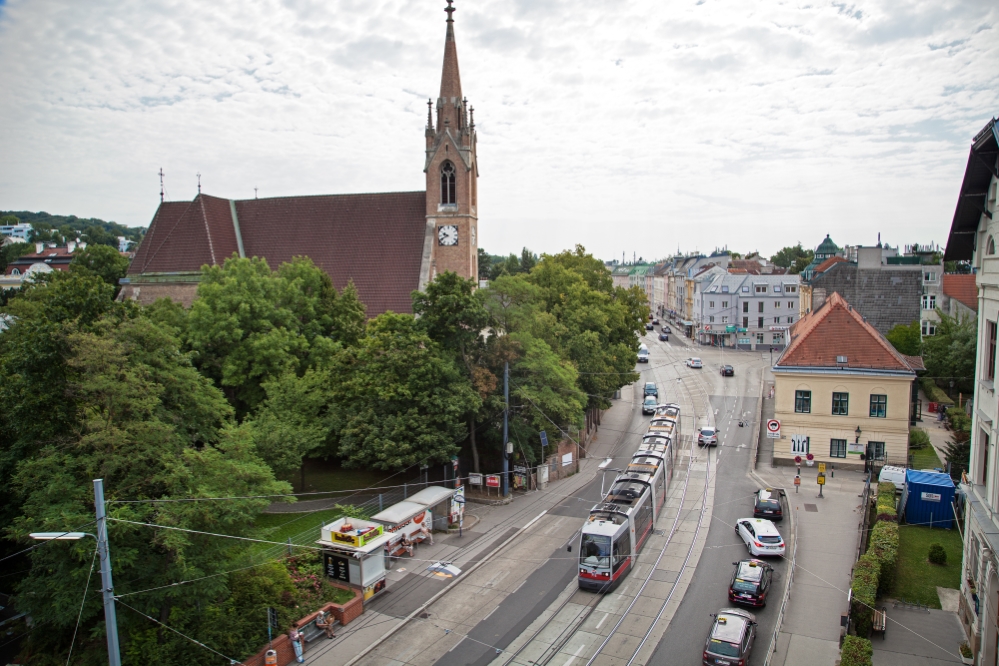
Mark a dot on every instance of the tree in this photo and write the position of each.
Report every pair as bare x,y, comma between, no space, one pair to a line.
906,338
788,257
396,399
950,354
103,261
800,264
9,253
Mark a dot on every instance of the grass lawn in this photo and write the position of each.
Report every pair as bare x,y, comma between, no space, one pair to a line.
925,458
916,579
323,475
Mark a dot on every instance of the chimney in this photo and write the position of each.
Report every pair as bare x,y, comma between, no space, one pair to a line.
39,247
70,246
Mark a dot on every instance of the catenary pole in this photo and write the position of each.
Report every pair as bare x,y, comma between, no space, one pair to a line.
506,428
107,587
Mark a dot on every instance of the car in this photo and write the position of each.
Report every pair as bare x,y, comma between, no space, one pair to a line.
652,389
707,436
767,504
694,363
656,321
730,641
663,336
650,404
760,535
667,330
648,326
643,355
727,371
751,582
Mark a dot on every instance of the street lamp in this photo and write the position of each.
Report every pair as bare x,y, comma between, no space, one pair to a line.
604,468
59,536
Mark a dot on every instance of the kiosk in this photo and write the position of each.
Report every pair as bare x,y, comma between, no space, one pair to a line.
353,553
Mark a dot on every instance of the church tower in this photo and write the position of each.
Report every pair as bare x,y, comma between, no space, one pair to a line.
452,171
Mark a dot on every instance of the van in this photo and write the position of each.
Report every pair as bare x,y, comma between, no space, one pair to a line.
893,474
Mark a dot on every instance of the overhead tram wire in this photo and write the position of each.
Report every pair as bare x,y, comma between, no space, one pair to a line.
182,635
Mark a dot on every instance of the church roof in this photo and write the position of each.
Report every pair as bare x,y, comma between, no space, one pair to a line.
827,246
376,240
450,77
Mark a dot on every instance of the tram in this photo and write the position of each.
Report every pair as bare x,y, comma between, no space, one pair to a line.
622,522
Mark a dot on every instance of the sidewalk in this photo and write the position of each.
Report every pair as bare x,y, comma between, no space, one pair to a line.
431,632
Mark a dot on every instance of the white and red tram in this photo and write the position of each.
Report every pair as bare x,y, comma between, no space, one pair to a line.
622,522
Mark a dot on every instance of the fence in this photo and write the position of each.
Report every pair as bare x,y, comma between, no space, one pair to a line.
772,650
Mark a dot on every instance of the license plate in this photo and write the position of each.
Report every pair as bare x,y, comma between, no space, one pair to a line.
723,662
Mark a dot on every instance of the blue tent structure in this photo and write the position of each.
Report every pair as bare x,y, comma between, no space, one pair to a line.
928,499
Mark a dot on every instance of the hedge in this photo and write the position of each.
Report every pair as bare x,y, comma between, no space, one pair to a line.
865,592
856,651
934,393
883,545
958,419
886,502
918,439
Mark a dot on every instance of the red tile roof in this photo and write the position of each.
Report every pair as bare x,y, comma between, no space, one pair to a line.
827,264
376,240
963,288
836,329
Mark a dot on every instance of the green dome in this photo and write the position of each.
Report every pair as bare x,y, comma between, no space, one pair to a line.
826,247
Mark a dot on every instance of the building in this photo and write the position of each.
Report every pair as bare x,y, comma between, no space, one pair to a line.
659,280
973,233
886,294
388,244
827,249
842,392
960,295
748,311
45,259
21,232
619,276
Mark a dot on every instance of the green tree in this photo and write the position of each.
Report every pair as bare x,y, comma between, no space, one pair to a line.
906,338
103,261
396,398
9,253
800,264
787,257
950,354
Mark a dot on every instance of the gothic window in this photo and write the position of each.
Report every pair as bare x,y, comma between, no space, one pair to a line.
448,190
990,246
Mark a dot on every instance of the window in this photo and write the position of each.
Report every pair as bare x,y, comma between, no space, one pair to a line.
990,350
929,301
876,450
982,473
724,304
759,338
837,448
761,288
929,328
711,319
776,288
724,320
745,290
448,186
745,306
711,304
778,338
15,272
724,288
759,323
803,402
745,322
791,288
841,404
759,307
932,277
777,304
790,305
790,320
879,406
990,246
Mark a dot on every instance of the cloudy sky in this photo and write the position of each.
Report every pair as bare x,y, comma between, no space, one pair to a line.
625,126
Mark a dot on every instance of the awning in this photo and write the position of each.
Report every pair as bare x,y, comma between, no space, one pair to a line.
399,513
687,322
431,496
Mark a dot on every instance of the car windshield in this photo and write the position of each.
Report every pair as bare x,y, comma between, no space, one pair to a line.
707,432
744,585
595,550
769,503
649,400
723,648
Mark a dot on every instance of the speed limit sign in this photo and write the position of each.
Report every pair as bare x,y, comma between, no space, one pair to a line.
773,429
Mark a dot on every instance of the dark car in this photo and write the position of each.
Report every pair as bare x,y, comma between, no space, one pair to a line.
727,371
648,326
650,404
652,389
751,582
656,321
730,640
767,504
664,336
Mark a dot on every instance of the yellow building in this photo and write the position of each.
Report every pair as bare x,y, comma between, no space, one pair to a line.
843,393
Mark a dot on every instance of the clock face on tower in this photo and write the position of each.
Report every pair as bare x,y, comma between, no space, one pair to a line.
447,235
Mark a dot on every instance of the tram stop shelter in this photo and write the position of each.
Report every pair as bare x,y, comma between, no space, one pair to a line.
408,523
354,553
436,499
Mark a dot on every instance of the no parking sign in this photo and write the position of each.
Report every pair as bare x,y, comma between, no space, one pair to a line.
773,429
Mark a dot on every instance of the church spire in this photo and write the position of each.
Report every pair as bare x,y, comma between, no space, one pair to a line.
449,102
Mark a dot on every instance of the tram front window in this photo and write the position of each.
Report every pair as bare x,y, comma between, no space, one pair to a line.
595,550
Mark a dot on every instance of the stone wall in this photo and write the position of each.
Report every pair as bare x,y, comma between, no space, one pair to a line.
885,296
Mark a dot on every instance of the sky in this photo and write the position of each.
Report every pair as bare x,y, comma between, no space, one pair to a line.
628,127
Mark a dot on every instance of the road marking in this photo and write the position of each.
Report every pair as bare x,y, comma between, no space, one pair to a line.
574,656
606,615
536,519
489,613
519,586
458,643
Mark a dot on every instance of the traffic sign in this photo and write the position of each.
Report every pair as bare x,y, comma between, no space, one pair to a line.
797,459
773,429
822,468
797,480
544,438
821,479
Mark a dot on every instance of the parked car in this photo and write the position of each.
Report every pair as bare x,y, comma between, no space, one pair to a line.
694,363
727,371
761,536
652,389
730,641
663,336
751,582
707,436
767,504
648,326
650,404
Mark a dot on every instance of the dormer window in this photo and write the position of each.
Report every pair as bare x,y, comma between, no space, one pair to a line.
15,272
448,185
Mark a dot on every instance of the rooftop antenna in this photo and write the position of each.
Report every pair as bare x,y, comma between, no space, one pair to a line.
254,193
199,182
161,184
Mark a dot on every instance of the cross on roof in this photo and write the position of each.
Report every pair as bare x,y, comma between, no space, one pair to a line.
450,11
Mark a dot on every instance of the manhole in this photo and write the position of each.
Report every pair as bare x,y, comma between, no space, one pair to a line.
424,616
660,532
811,507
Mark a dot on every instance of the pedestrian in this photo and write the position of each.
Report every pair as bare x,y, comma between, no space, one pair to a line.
296,642
324,621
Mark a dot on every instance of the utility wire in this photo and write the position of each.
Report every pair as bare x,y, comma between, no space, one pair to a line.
83,601
39,545
193,640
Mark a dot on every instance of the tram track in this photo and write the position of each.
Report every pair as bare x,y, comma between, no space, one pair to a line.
553,647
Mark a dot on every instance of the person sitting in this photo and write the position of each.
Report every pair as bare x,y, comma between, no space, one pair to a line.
324,621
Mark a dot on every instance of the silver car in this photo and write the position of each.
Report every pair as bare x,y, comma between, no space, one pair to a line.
707,436
730,641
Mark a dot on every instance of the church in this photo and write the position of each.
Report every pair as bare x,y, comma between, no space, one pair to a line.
389,244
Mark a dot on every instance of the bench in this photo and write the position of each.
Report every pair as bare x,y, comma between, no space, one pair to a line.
880,621
307,626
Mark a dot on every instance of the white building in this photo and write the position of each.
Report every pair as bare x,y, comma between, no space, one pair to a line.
973,237
20,231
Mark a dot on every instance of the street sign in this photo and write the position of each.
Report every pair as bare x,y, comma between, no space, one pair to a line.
475,479
773,429
822,468
492,481
797,480
821,479
797,459
544,438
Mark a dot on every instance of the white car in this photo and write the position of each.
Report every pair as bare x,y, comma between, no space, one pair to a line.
694,363
760,535
707,436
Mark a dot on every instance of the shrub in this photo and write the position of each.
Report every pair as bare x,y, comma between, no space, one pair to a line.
886,502
966,650
856,651
918,439
934,393
883,545
865,591
937,554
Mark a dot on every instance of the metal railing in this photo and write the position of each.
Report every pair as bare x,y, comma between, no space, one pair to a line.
772,649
